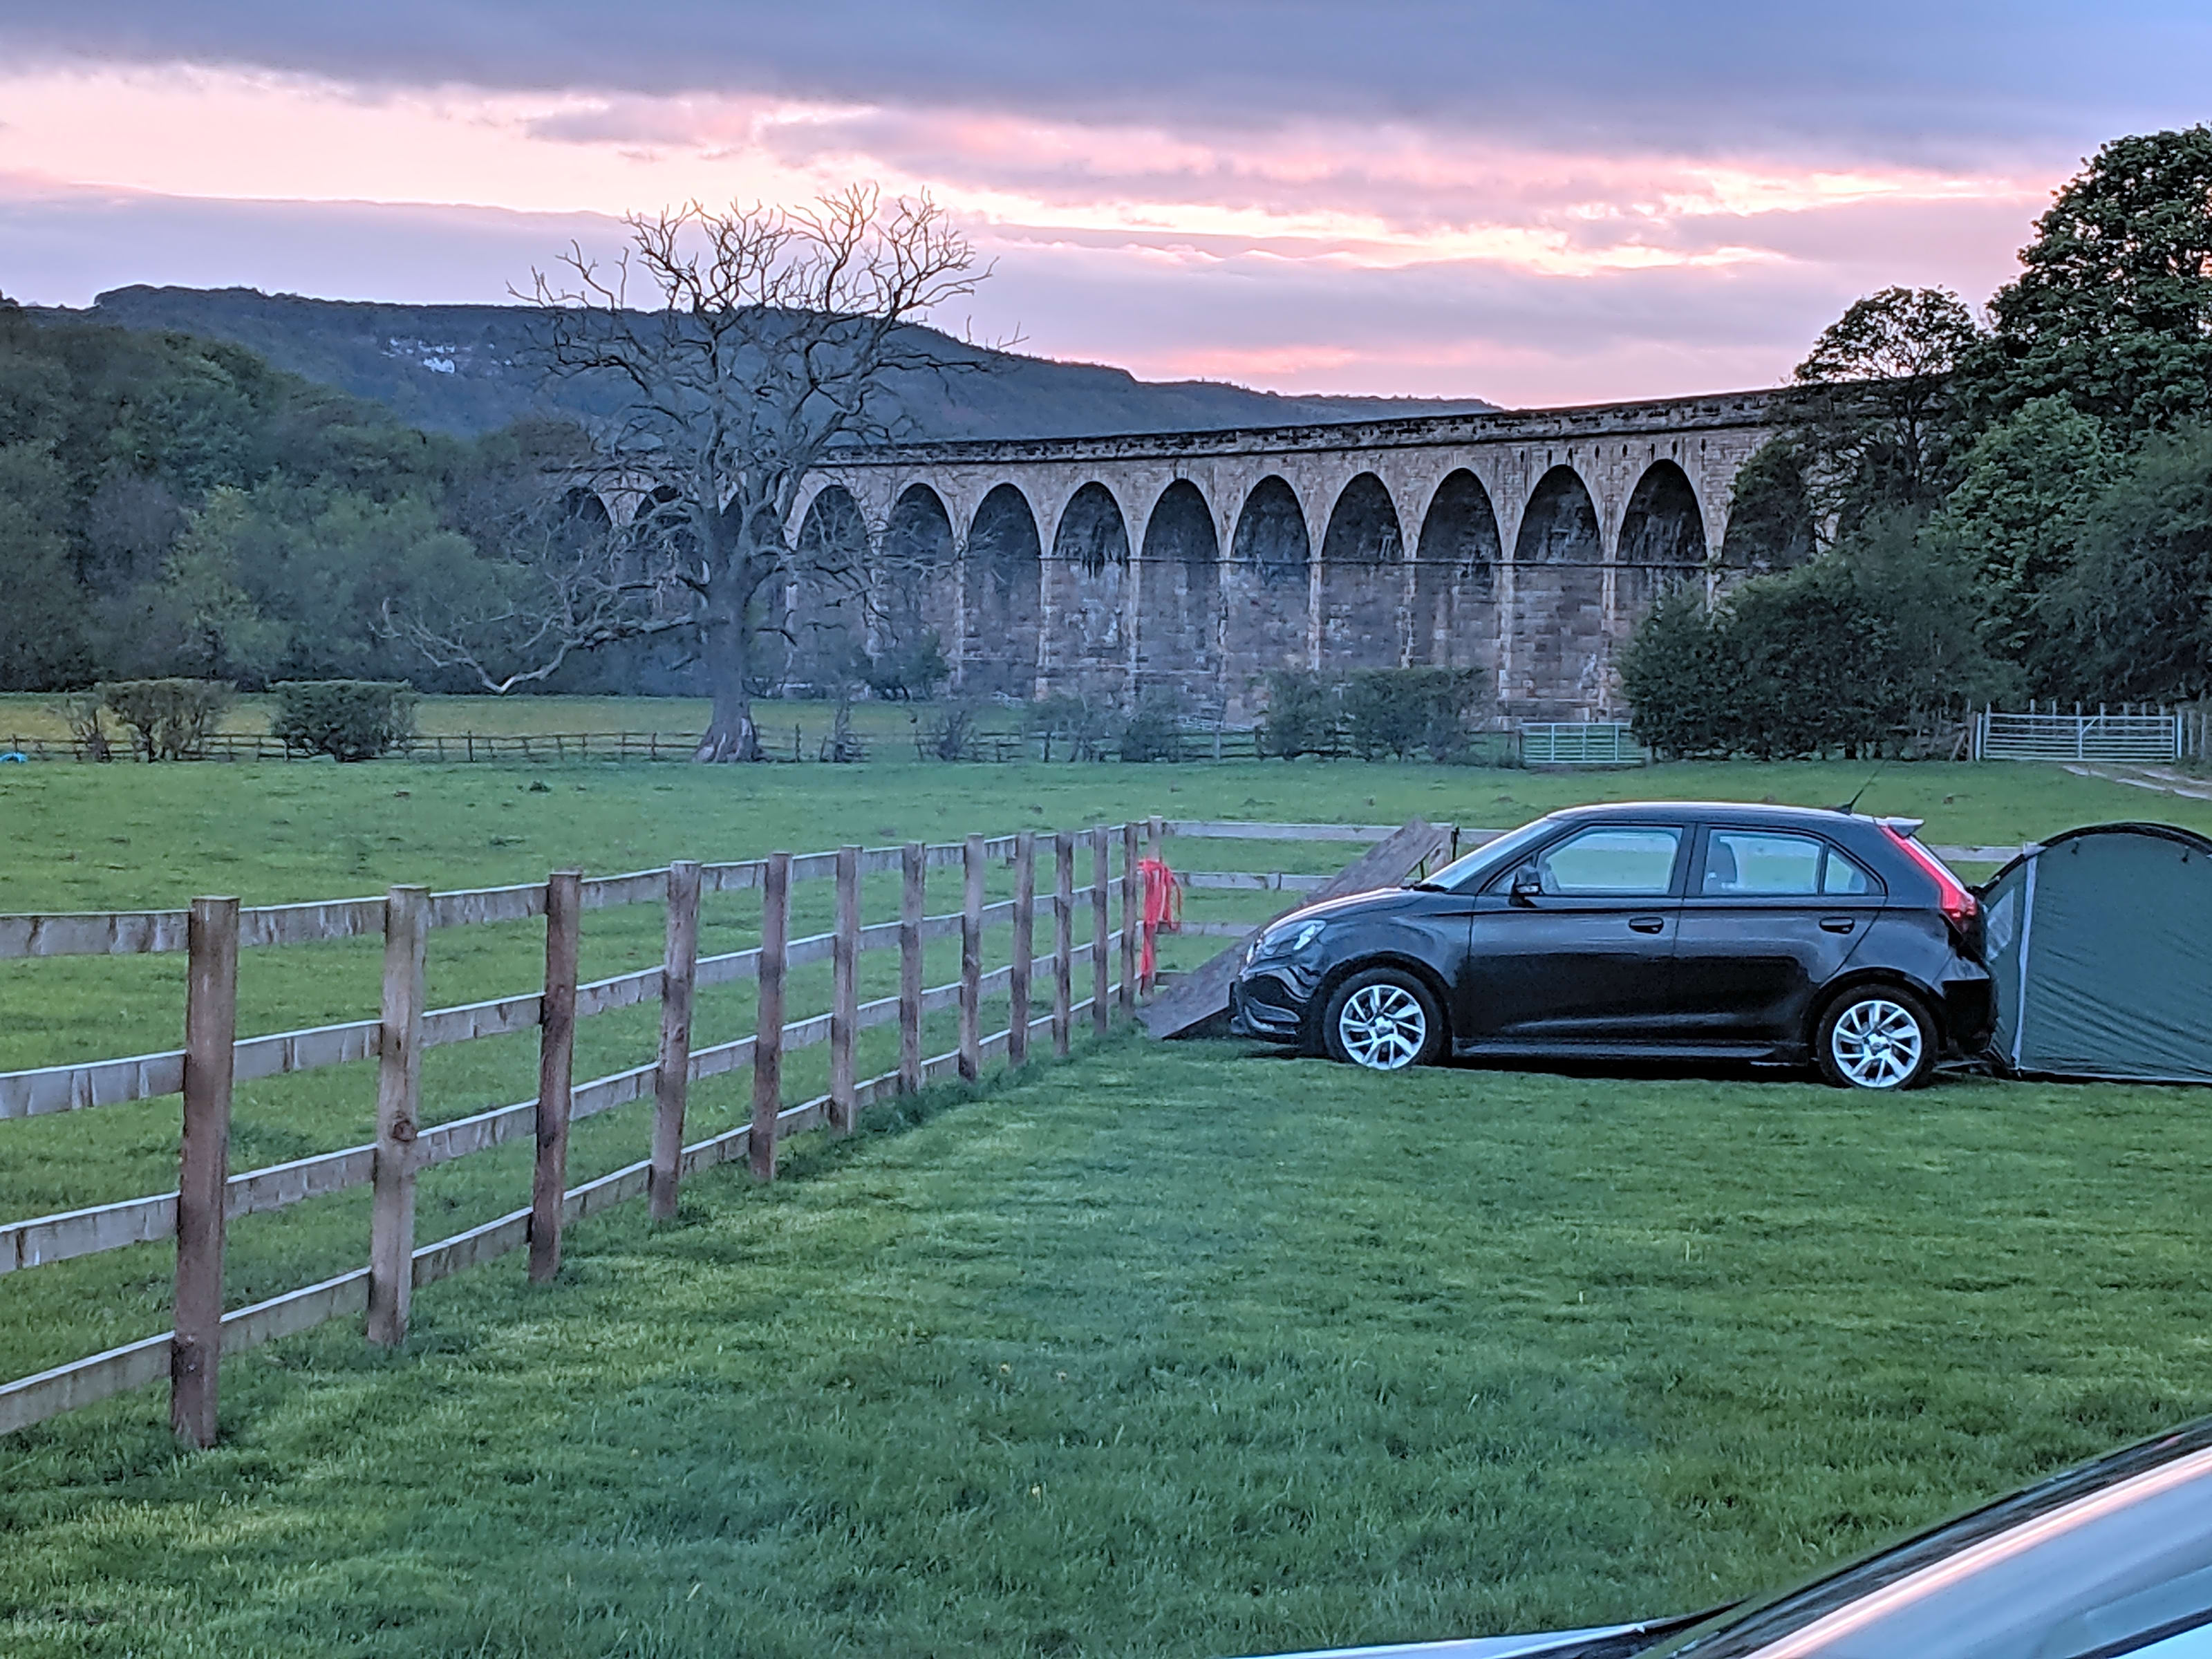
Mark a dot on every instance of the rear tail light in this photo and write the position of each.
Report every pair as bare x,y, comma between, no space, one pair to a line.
1957,904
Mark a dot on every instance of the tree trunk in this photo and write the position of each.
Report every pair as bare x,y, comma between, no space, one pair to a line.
725,646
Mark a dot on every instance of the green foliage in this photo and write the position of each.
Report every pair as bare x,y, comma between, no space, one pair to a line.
2112,311
170,507
346,720
2025,492
169,719
1306,714
1875,637
1403,712
2132,616
1869,420
1153,731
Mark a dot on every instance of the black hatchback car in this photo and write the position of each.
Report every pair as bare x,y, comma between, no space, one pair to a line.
1656,931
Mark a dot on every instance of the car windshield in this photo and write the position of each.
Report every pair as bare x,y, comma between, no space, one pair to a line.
1491,855
2115,1558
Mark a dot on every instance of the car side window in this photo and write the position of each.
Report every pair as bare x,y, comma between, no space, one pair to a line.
1841,875
1611,861
1760,864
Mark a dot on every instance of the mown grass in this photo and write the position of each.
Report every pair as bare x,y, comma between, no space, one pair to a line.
1460,1382
1177,1351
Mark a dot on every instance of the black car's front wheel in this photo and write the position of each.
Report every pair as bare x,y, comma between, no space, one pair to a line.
1878,1037
1384,1020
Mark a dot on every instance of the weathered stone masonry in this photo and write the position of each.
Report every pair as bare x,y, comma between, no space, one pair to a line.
1525,544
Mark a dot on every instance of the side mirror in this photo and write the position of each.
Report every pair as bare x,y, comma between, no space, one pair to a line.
1527,885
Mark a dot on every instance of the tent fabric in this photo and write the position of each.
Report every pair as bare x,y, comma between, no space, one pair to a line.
2100,942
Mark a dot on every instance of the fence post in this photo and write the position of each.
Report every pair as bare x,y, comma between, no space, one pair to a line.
1063,935
971,959
671,1080
556,1053
398,1116
912,878
1132,911
1155,836
845,993
210,1032
768,1027
1102,893
1018,1024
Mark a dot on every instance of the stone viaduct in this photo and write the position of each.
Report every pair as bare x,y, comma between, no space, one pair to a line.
1523,544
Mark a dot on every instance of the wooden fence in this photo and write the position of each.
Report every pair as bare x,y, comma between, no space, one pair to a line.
214,1059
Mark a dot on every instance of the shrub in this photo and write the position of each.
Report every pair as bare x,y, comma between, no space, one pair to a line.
1154,729
346,720
1400,711
951,734
1304,715
88,723
171,718
1087,729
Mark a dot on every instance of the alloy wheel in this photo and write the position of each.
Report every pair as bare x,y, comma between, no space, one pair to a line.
1383,1027
1876,1043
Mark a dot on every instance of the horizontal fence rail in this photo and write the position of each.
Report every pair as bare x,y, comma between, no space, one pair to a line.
212,932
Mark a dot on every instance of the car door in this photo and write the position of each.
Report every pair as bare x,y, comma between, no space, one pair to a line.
1587,959
1770,917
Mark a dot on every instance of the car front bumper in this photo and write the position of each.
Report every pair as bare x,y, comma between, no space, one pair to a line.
1263,1005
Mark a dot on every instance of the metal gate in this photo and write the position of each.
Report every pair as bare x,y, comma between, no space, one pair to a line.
1580,743
2099,737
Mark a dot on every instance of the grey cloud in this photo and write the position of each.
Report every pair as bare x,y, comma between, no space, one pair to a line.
1886,78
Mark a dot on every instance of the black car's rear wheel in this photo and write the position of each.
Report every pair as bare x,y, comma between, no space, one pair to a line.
1877,1037
1384,1020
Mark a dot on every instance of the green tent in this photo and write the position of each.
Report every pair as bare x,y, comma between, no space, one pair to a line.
2101,944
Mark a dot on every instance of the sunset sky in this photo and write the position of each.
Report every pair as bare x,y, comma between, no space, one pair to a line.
1535,204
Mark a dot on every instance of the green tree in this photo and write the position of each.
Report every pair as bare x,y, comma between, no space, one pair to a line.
2112,310
1869,417
2026,490
2132,617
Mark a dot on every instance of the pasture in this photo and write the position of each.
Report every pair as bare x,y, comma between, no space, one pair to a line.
1107,1358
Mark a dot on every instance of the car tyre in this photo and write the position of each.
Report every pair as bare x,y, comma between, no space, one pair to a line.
1877,1036
1382,1019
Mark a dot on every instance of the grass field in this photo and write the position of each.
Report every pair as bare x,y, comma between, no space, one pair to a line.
889,725
1541,1349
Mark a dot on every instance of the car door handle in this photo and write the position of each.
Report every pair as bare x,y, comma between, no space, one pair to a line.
1837,923
1647,924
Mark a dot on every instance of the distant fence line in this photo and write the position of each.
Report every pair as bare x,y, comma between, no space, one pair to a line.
1545,744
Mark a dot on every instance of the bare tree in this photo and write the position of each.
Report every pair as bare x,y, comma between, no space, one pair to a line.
773,338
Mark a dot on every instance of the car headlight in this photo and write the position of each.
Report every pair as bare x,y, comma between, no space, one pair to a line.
1286,940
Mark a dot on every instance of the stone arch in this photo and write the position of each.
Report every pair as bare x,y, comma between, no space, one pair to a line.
1363,573
914,578
584,509
1004,596
1090,577
1179,605
1455,623
828,613
1562,652
1662,540
1266,589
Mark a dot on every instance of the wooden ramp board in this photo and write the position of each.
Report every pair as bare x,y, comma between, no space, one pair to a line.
1202,994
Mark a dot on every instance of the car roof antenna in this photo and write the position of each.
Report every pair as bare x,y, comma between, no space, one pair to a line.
1852,806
